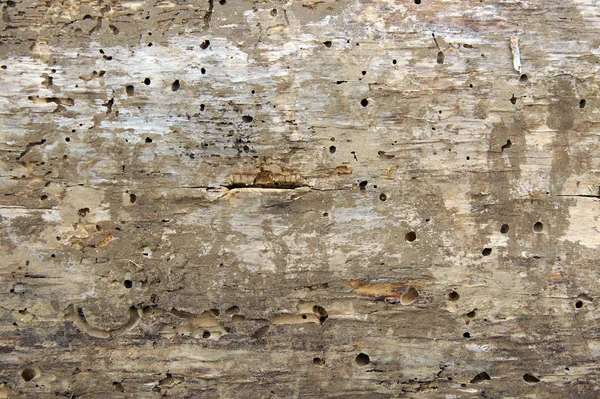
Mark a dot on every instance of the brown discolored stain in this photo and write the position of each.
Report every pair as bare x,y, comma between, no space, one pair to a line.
92,242
355,283
506,152
56,100
561,118
104,242
556,276
268,176
380,291
264,177
480,110
343,170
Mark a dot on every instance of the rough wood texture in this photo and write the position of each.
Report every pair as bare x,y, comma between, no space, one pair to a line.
305,199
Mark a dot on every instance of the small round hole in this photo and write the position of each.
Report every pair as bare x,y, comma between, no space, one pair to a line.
148,140
304,316
247,118
486,251
394,62
206,334
538,227
523,78
504,229
175,85
382,197
28,374
530,378
132,198
128,284
147,81
318,361
467,335
579,304
582,103
410,236
417,2
362,359
332,149
453,296
364,102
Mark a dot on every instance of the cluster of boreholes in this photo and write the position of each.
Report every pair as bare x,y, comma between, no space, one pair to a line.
175,86
538,227
362,359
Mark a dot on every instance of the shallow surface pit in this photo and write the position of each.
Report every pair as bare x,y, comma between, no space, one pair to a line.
409,296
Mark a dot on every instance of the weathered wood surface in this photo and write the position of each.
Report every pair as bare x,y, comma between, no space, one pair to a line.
237,199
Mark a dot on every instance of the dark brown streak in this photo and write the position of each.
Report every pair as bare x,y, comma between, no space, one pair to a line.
208,14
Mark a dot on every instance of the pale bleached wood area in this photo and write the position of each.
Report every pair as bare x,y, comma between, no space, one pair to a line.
302,199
